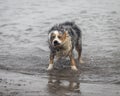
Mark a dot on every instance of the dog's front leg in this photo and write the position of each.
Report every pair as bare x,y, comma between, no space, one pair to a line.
50,67
72,60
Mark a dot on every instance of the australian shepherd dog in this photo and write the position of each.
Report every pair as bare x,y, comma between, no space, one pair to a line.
62,39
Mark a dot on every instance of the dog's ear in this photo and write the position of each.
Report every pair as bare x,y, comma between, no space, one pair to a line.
66,33
49,36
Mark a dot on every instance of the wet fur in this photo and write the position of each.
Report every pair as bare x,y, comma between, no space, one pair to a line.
72,39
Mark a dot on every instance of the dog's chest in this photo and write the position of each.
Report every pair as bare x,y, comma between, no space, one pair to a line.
62,53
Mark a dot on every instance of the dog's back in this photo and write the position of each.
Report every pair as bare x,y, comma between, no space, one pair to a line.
72,28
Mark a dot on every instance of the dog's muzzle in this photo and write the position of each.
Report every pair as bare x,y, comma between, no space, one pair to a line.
56,43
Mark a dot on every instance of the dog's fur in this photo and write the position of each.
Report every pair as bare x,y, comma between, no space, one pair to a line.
62,40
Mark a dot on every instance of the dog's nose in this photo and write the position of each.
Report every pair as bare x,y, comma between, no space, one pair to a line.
56,43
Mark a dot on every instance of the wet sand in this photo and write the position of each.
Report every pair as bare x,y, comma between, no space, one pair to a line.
16,84
24,50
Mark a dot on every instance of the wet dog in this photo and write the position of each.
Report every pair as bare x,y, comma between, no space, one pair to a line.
63,38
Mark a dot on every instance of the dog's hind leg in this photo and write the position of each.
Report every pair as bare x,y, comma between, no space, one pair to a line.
78,48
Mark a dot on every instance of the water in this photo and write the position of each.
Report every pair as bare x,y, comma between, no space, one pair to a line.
23,36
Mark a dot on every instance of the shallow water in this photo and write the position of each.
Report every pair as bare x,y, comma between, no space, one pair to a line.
23,37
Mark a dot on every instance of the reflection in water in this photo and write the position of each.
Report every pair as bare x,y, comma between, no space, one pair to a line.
64,82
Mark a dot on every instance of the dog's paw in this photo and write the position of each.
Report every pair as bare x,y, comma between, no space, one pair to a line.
74,68
50,67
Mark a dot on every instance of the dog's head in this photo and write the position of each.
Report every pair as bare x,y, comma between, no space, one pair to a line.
57,38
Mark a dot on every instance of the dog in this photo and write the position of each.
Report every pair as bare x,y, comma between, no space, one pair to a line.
62,39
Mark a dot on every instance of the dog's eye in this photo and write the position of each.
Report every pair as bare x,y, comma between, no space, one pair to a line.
52,37
59,37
